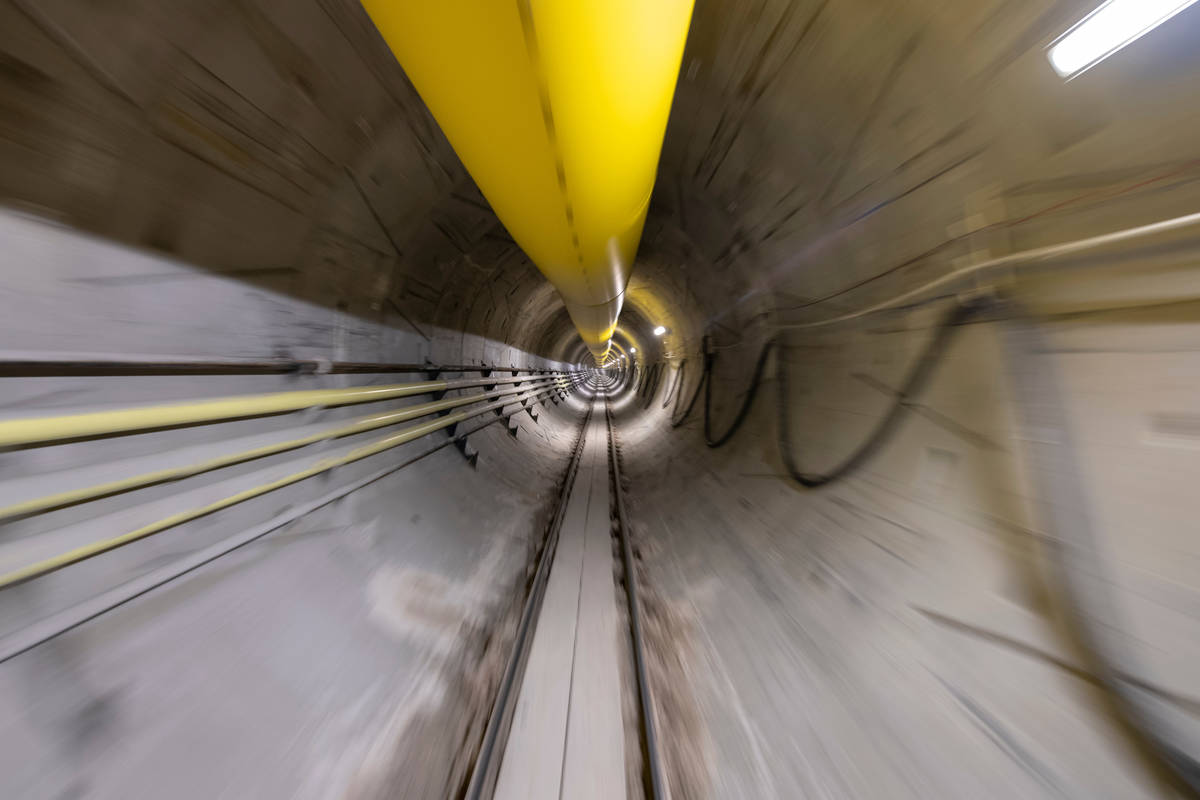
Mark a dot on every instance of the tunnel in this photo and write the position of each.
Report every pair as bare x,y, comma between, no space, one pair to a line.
868,470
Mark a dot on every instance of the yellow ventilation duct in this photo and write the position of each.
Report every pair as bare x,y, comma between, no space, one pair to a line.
557,108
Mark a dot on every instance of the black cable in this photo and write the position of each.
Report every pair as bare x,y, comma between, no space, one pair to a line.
710,359
654,783
651,374
1070,543
1063,508
676,421
917,378
653,381
675,388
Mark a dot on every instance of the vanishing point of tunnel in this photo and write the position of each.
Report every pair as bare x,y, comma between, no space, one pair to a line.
599,399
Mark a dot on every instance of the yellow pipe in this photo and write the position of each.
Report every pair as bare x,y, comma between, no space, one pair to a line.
360,425
101,423
93,549
557,108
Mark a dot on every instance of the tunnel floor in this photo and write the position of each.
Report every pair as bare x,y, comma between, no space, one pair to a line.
567,733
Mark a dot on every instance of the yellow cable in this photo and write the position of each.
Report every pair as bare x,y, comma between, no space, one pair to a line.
359,425
99,423
92,549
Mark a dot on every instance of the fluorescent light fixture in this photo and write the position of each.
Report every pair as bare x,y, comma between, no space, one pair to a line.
1106,30
660,330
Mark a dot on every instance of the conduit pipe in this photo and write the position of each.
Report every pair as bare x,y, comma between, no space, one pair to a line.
71,617
409,434
103,423
557,108
359,425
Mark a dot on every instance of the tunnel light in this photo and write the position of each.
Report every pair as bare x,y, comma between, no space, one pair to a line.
1106,30
660,330
633,349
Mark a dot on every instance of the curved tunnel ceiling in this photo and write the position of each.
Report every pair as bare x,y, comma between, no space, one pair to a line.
790,189
818,156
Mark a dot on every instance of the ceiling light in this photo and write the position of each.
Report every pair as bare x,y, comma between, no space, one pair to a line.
660,330
1106,30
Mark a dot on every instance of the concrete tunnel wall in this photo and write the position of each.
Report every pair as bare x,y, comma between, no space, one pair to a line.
257,179
367,634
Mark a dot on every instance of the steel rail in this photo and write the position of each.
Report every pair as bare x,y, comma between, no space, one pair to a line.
649,729
486,771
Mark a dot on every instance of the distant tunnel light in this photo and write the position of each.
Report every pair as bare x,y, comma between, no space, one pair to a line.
1107,29
660,330
633,349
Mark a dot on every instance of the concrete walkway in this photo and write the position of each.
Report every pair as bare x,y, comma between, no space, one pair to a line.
567,739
